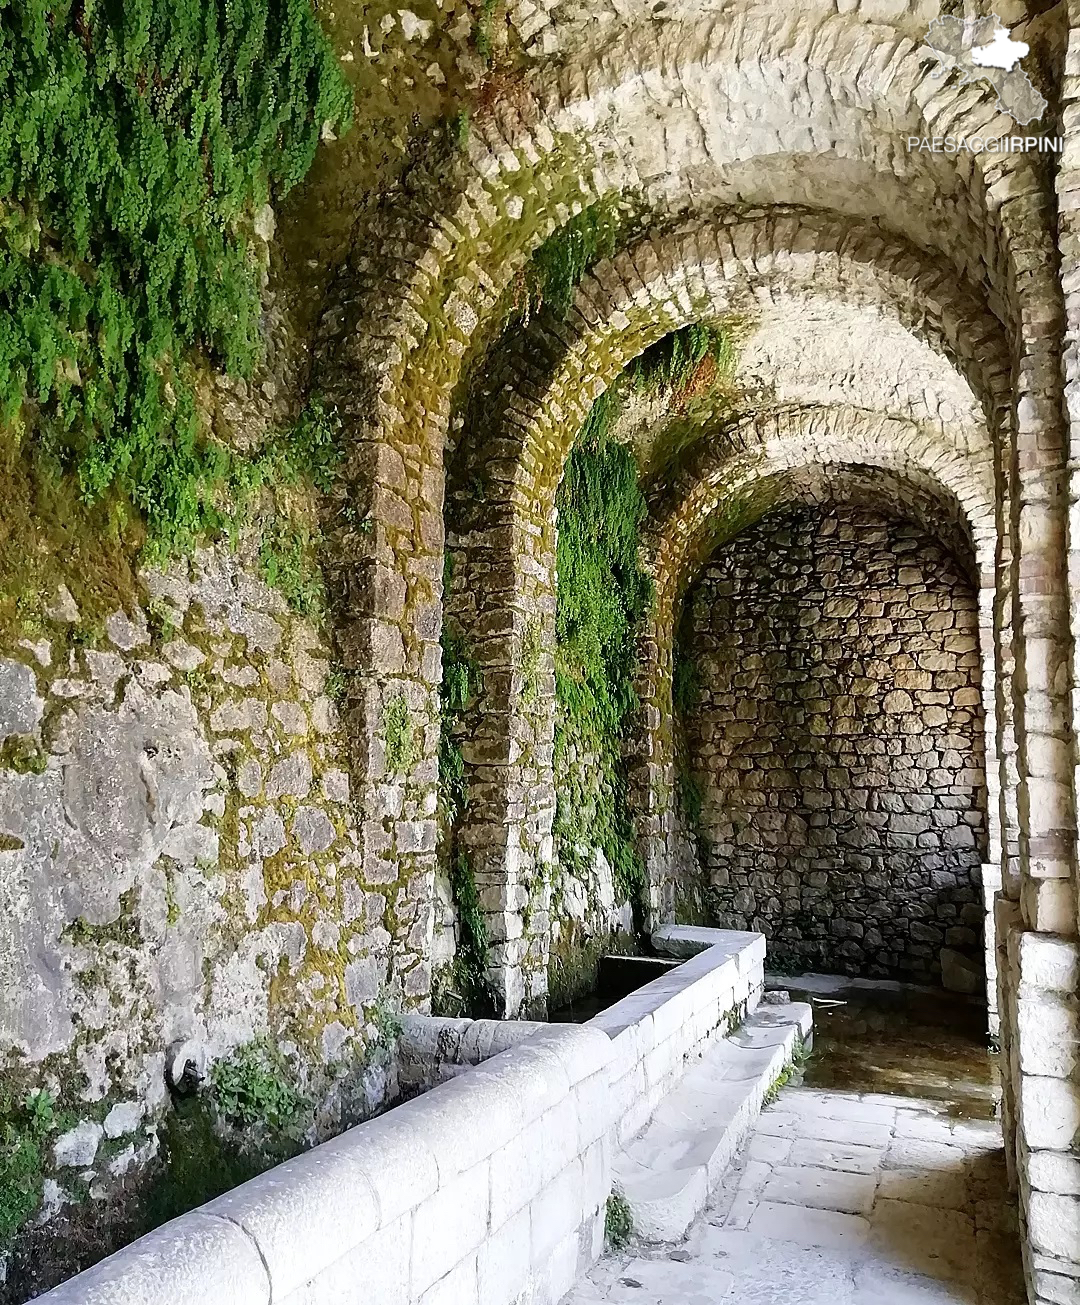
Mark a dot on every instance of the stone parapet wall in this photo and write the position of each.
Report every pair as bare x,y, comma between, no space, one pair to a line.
836,738
490,1186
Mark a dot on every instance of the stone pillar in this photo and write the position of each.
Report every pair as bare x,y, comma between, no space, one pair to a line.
502,599
1040,1027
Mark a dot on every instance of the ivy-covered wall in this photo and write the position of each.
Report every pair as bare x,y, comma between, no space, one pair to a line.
198,973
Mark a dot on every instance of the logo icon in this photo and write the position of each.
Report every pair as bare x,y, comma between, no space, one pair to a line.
982,50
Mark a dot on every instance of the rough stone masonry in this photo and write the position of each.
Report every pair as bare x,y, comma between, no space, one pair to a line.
837,738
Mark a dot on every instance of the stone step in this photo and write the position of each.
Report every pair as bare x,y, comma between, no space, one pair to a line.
668,1171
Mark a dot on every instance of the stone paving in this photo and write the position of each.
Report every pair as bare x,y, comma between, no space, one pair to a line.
841,1199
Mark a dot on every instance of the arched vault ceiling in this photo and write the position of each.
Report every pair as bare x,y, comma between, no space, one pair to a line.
833,345
731,482
758,105
808,350
910,343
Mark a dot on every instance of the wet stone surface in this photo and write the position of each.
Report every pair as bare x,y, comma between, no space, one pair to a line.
841,1199
892,1038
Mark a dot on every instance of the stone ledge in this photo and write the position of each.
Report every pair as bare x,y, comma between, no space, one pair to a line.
668,1172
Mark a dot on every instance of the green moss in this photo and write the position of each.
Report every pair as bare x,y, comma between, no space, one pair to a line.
531,650
23,754
125,930
483,33
574,960
399,736
670,365
791,1072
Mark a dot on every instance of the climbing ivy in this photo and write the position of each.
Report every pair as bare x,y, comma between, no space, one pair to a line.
557,266
137,142
602,596
463,987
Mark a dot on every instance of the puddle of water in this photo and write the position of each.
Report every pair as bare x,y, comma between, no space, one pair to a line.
912,1042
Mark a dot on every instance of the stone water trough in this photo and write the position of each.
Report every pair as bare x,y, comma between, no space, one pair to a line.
494,1181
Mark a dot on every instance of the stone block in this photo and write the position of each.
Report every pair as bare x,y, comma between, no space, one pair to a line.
503,1264
1048,1036
1054,1223
195,1259
451,1225
1048,963
302,1215
556,1212
1049,1113
375,1270
1053,1171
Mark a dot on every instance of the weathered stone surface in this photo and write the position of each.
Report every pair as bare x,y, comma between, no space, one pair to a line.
20,707
77,1148
842,814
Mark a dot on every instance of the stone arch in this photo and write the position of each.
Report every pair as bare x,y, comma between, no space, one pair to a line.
763,460
391,355
624,306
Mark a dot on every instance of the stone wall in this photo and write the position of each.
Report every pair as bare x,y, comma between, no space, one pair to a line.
181,869
490,1187
836,737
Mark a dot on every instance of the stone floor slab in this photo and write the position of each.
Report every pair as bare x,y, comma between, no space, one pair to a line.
776,1221
835,1155
822,1189
923,1239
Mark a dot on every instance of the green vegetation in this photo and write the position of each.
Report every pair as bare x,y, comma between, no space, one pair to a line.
287,561
461,683
686,681
792,1071
197,1164
691,800
483,33
603,595
254,1088
671,364
23,754
26,1125
557,266
137,143
463,988
124,931
399,736
618,1222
